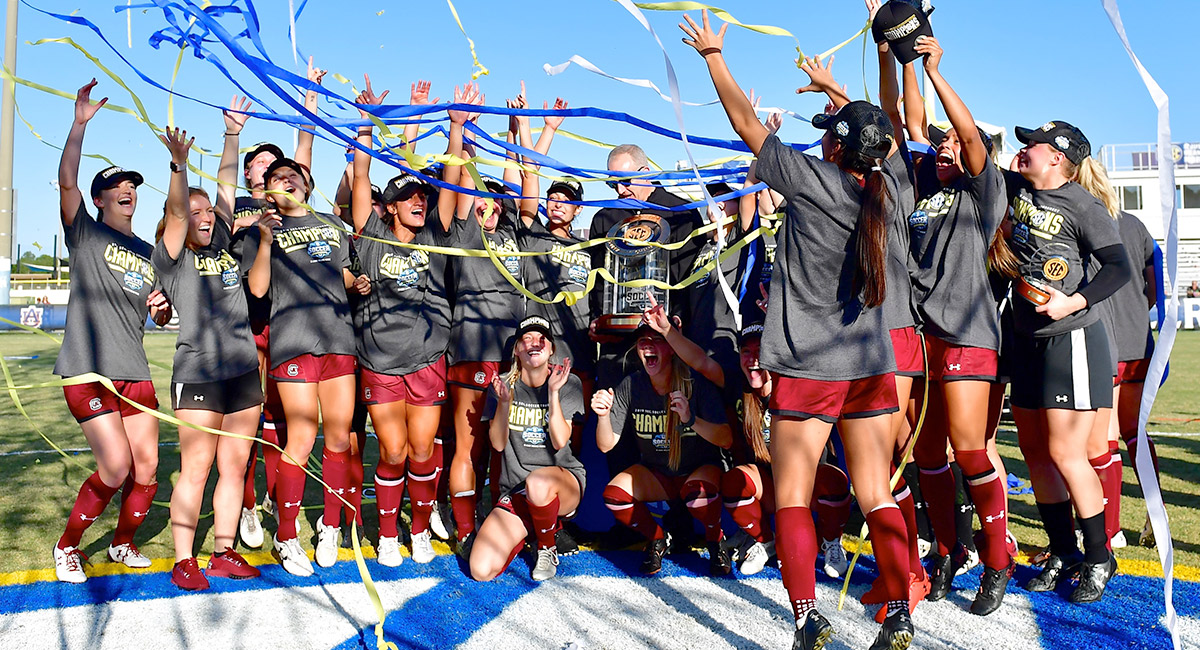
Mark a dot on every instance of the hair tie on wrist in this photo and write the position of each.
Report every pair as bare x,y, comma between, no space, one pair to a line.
710,50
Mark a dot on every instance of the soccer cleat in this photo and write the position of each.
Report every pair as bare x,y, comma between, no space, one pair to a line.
896,633
437,523
388,552
230,564
924,546
187,576
565,542
992,586
1147,536
1118,540
68,565
129,555
941,580
422,548
1010,543
757,557
268,506
655,550
293,558
462,548
917,590
719,562
1093,578
250,528
835,558
547,564
969,559
813,634
327,543
1055,570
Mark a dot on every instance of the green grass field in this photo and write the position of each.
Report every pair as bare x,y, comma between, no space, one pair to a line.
42,484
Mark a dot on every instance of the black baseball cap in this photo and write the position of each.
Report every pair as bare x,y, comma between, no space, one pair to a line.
280,163
1060,135
111,177
936,136
376,194
900,23
260,148
568,186
507,205
396,187
860,126
535,324
751,331
719,188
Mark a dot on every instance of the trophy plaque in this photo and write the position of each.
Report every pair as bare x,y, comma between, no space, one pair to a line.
630,257
1047,267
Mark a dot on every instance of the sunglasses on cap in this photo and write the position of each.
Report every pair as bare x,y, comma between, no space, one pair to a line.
612,185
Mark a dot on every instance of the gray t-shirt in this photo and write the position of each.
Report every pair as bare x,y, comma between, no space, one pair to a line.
545,276
1131,319
260,308
1054,230
816,325
951,230
406,317
639,410
205,286
899,307
529,445
710,322
310,311
487,308
111,278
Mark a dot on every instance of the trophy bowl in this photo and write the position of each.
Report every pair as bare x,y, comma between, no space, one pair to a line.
631,257
1046,268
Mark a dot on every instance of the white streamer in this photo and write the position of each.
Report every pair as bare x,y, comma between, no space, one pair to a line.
1166,337
292,30
673,85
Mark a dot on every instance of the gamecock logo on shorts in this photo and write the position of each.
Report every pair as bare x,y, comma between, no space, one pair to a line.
293,369
94,404
480,378
366,393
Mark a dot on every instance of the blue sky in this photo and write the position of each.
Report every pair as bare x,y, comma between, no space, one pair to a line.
1019,62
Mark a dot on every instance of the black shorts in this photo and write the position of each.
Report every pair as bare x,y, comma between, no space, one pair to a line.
1068,371
224,397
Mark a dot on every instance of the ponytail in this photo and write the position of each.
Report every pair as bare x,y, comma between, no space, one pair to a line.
681,380
752,427
1094,178
870,278
1001,258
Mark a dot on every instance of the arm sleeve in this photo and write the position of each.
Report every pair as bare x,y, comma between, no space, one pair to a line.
1114,272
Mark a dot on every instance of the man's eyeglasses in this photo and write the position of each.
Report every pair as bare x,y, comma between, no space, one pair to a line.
626,182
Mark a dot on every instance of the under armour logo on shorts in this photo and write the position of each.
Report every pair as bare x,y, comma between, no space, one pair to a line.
94,404
954,366
1060,398
441,393
293,369
197,398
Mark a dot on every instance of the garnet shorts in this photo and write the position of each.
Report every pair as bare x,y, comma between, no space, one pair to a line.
1132,372
424,387
950,362
310,368
224,397
907,346
476,375
87,401
831,401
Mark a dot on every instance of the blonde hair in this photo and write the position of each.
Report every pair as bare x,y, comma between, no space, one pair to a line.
752,427
162,223
1000,256
514,370
681,380
1094,178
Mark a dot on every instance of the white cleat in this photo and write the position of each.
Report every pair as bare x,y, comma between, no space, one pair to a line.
835,558
268,506
129,555
1118,540
68,565
327,543
757,557
293,558
388,552
971,563
924,546
422,548
437,524
250,528
547,564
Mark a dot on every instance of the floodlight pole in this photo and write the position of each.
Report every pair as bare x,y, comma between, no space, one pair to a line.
7,194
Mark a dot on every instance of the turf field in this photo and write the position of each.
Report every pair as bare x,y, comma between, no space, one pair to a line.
680,610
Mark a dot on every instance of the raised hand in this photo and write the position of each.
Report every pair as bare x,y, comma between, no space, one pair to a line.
773,122
559,375
552,122
315,75
85,110
515,121
368,97
820,75
703,39
469,94
873,8
268,221
679,404
178,144
419,95
501,389
928,47
237,114
656,315
160,309
762,302
602,402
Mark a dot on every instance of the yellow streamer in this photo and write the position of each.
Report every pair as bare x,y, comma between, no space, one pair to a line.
478,67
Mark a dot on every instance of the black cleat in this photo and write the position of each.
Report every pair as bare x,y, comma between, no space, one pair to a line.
720,564
992,586
814,634
564,542
1056,569
896,633
941,578
1093,578
655,550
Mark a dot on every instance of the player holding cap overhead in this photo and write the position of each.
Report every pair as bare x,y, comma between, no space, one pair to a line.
531,411
1062,369
961,204
405,328
826,340
214,378
113,289
311,353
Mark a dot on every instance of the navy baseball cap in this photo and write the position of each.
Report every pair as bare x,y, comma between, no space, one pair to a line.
936,136
568,186
535,324
396,187
860,126
1062,136
111,177
901,23
262,147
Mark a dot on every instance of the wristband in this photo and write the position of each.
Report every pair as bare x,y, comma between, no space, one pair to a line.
710,50
689,423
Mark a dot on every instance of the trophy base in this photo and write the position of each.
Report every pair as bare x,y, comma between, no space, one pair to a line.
1032,290
618,324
